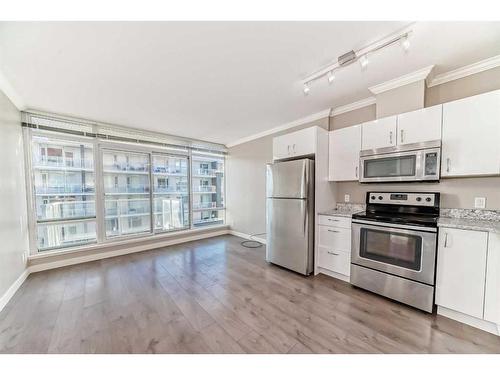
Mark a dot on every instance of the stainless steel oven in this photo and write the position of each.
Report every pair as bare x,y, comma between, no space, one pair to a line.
402,250
420,162
394,245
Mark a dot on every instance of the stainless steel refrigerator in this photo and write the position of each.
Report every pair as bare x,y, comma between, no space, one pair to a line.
290,214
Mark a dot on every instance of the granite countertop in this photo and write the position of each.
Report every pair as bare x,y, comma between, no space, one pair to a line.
344,210
481,220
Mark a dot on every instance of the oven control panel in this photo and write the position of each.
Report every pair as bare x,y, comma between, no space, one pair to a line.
406,199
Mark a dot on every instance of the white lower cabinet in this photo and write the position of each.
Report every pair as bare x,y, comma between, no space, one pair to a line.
461,270
492,293
468,277
334,246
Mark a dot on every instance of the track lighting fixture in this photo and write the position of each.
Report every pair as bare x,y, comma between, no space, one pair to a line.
361,55
405,43
363,61
306,89
331,77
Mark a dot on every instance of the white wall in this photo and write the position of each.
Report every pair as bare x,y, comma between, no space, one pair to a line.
246,181
13,214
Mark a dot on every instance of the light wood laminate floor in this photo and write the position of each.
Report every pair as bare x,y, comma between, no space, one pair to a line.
215,296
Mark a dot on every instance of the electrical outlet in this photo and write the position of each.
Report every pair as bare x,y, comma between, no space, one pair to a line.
347,198
480,202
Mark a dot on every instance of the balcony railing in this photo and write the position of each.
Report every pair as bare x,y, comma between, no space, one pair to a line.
202,205
62,163
126,190
207,220
171,189
123,167
66,210
51,190
205,189
207,172
171,171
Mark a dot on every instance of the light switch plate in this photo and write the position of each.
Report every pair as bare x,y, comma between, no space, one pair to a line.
480,202
347,198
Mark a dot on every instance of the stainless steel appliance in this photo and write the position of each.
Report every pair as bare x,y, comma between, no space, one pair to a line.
416,162
394,247
290,214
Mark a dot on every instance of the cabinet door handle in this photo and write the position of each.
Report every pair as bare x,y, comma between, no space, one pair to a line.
293,148
390,137
402,135
446,239
333,231
288,148
356,171
447,164
332,253
332,220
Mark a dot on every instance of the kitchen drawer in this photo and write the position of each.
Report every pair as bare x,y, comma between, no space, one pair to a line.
338,239
336,261
335,221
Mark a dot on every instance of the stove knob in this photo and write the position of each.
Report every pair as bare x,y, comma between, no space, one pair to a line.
372,197
428,199
419,199
379,197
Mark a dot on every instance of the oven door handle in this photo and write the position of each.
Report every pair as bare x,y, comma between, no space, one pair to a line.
398,226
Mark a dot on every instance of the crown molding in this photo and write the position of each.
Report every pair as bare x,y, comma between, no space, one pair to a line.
289,125
416,76
11,93
467,70
353,106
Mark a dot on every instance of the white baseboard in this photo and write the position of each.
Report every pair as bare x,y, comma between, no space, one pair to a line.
248,236
4,300
469,320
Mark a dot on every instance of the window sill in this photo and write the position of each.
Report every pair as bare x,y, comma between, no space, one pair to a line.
136,240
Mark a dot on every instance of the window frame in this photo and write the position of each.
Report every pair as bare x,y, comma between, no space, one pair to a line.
98,147
33,221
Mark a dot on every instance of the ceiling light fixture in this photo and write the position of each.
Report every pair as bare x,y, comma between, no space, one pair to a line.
363,61
405,43
331,77
306,89
361,55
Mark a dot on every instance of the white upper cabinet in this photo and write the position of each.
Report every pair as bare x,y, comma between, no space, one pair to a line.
379,133
299,143
418,126
344,147
471,136
492,293
461,270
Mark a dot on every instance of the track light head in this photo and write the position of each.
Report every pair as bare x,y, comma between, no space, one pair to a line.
405,43
331,77
363,61
306,89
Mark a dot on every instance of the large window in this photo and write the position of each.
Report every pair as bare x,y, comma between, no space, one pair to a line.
127,191
208,189
170,192
64,189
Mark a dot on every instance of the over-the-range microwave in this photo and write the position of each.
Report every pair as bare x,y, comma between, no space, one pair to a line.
415,162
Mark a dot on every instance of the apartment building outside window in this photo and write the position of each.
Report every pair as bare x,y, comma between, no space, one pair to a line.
85,191
208,189
64,189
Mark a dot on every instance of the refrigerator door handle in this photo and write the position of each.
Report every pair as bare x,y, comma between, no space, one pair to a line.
305,216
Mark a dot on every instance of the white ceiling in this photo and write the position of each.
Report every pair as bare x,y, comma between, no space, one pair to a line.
215,81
